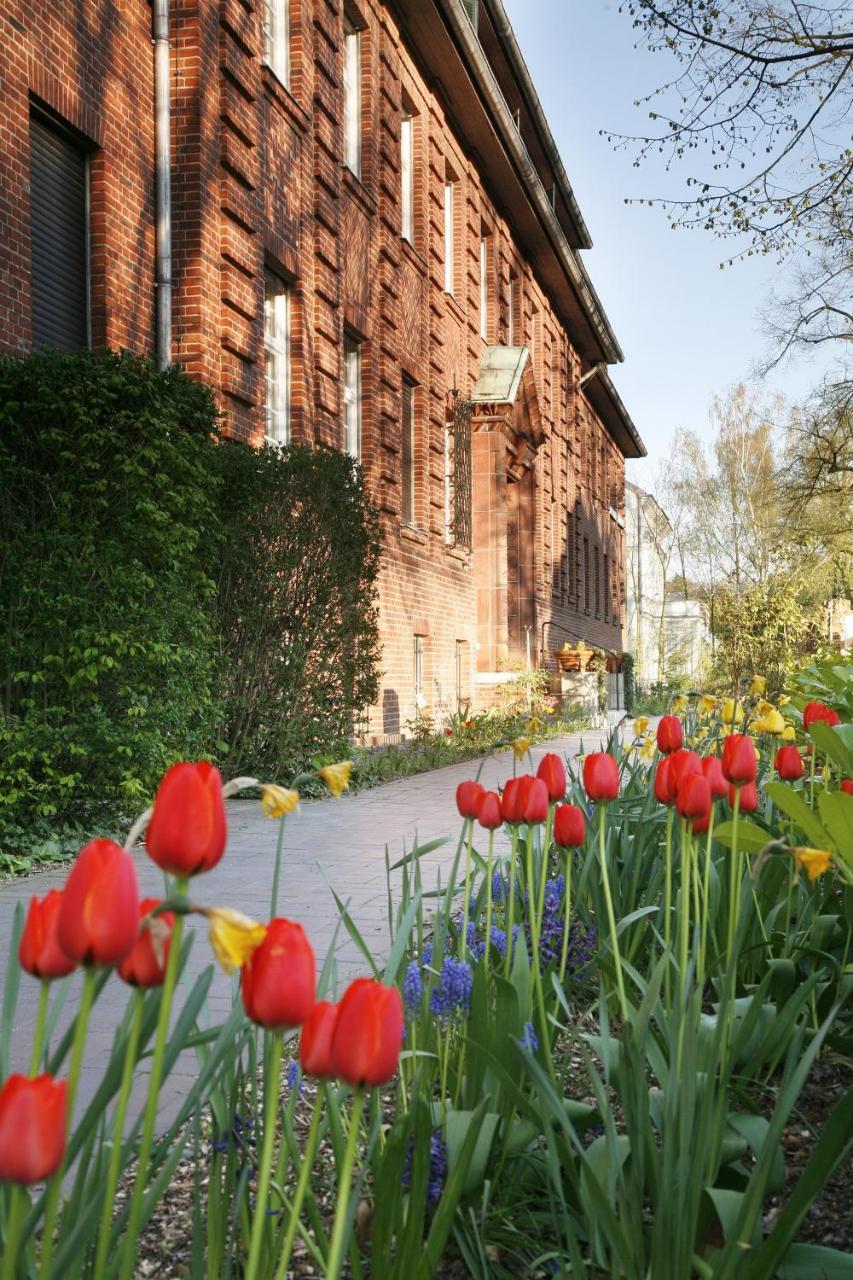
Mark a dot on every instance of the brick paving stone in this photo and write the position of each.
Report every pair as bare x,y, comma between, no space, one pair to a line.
329,844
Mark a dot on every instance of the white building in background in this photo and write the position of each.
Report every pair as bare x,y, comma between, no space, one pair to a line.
687,637
648,535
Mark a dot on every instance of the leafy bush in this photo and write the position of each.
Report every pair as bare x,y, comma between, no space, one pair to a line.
297,562
107,642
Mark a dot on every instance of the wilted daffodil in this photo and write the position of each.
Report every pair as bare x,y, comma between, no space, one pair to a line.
641,724
731,713
679,705
278,802
705,704
336,776
813,861
533,726
521,746
233,936
757,686
649,748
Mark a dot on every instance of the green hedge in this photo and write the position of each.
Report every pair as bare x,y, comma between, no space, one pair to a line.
164,595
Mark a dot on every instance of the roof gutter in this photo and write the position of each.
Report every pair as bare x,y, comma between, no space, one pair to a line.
463,31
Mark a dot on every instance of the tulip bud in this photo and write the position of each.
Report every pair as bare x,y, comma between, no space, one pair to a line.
315,1042
552,771
847,786
739,763
145,966
601,777
748,797
701,825
670,734
368,1033
187,831
98,920
665,782
39,952
713,771
511,800
534,800
681,764
789,764
814,711
32,1128
468,797
569,825
279,980
490,815
694,796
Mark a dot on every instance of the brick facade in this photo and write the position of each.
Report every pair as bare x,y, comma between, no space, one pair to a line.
259,182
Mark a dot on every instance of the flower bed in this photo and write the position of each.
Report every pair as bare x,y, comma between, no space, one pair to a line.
582,1056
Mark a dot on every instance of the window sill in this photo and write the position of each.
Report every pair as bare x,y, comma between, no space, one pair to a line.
412,534
410,252
462,554
356,188
455,305
284,95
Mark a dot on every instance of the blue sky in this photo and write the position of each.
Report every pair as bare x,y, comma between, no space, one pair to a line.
687,328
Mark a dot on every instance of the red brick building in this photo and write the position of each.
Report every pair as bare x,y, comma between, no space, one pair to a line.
374,246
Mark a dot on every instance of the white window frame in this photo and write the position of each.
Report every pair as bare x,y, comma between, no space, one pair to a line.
513,280
407,178
277,38
408,478
277,360
449,214
484,288
448,484
352,97
352,397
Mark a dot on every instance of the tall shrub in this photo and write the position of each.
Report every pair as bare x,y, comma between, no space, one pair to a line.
107,496
297,565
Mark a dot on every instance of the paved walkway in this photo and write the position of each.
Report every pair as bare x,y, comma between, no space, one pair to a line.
329,844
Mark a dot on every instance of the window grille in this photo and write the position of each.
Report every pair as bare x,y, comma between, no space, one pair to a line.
458,474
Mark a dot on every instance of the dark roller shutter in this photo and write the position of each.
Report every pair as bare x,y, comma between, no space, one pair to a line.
58,222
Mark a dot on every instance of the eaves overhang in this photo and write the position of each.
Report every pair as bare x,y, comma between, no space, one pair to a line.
607,403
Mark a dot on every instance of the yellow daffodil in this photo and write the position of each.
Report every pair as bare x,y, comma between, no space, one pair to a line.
713,748
679,705
784,700
764,708
731,713
705,704
521,746
336,776
773,723
826,772
278,802
533,726
789,733
649,748
233,936
757,686
813,861
641,724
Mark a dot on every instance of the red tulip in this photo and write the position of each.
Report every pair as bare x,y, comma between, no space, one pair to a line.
813,711
32,1128
739,764
701,825
748,797
601,777
569,825
511,800
145,966
278,981
670,734
99,914
682,763
490,815
552,771
368,1033
789,764
713,771
187,831
315,1042
694,796
665,782
468,797
847,786
534,800
39,952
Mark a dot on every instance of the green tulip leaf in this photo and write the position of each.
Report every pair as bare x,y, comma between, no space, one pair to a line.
827,740
750,837
836,810
793,803
809,1261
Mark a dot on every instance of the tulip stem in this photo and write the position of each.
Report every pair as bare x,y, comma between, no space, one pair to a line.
667,907
302,1185
154,1082
38,1037
336,1248
511,905
87,996
466,908
706,900
489,860
14,1222
611,917
564,954
118,1130
276,876
265,1167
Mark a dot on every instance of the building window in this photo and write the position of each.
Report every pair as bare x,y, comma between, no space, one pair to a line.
484,287
597,556
407,178
606,586
513,318
276,23
352,98
448,236
59,198
448,483
352,397
277,358
420,695
586,575
407,453
461,674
